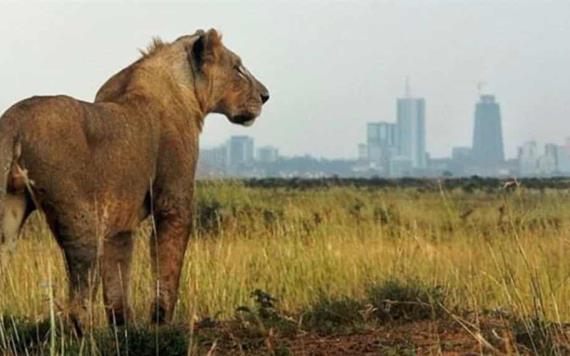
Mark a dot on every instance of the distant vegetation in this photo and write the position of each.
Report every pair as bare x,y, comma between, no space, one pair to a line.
286,266
467,184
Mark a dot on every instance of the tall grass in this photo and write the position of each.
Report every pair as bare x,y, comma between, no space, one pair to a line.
489,251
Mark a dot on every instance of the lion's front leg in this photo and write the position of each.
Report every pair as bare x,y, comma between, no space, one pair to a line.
168,248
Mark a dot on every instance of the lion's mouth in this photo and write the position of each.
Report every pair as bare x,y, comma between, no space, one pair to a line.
248,114
244,120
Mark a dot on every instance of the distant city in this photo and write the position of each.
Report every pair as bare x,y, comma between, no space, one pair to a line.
398,149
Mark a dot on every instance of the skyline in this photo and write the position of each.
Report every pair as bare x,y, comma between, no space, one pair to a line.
384,155
330,67
558,141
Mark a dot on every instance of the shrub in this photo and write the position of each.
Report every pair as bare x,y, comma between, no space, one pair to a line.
330,315
411,300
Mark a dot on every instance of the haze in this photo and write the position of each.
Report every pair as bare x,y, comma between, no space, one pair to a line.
330,67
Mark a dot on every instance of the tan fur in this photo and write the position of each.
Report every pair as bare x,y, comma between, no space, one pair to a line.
13,218
95,166
153,47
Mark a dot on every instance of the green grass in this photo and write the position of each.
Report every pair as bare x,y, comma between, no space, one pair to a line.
389,254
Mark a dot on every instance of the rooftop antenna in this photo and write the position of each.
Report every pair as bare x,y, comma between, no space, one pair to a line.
408,91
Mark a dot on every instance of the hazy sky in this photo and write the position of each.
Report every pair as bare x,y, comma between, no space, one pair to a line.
330,66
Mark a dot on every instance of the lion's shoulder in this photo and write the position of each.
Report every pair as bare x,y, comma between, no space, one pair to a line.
116,86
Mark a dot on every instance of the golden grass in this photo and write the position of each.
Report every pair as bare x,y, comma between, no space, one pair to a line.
488,250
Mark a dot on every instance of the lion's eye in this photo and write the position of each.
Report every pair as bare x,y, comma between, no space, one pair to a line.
241,71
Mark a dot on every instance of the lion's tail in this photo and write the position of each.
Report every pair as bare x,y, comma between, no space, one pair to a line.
6,159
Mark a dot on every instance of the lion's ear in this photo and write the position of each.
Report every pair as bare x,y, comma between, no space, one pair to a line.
205,48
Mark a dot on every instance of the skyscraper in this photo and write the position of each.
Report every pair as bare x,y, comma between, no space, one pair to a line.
381,139
412,131
488,150
240,150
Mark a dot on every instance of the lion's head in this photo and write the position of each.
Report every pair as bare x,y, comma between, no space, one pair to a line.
216,76
228,86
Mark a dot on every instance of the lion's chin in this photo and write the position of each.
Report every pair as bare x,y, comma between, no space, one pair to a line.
248,123
244,120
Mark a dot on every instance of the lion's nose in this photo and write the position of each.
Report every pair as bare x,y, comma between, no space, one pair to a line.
264,97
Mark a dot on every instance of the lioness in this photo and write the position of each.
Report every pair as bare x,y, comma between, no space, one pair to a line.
98,169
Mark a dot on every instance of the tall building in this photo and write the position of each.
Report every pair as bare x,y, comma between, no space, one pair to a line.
547,163
362,152
529,154
538,160
381,143
267,154
412,131
563,158
462,154
214,158
460,161
212,162
488,152
240,150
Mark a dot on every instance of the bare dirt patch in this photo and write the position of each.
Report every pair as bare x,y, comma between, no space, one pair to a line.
427,337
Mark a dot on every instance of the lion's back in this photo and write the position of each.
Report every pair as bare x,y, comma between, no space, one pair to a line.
46,122
71,146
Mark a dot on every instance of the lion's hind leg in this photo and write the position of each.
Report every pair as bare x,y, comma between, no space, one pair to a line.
76,235
115,271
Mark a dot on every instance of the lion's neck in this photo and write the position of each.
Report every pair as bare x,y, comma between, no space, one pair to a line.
164,81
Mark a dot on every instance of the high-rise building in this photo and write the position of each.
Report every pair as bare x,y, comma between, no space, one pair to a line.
213,161
538,160
547,163
215,157
362,152
240,150
381,139
267,154
528,156
412,131
488,152
563,158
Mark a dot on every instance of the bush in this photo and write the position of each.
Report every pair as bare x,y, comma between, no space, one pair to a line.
329,315
411,300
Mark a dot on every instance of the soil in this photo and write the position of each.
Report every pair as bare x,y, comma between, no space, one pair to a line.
427,337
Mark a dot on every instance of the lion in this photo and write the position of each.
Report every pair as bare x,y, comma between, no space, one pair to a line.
97,170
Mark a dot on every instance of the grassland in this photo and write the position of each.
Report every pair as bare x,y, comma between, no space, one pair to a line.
270,268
